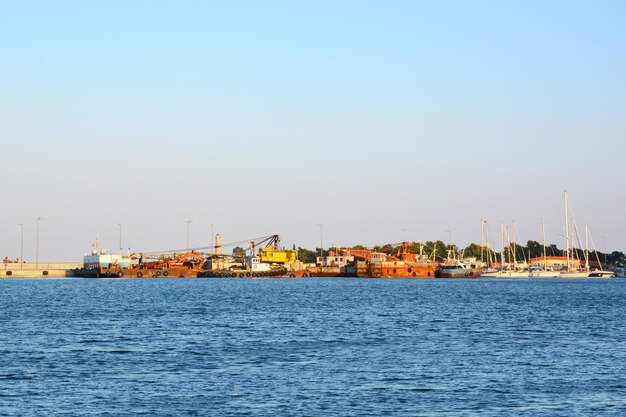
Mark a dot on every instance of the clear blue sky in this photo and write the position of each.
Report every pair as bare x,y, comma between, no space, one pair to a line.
271,117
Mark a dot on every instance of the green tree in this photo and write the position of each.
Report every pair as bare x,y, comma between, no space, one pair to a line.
534,248
473,250
306,256
437,249
239,251
615,258
552,250
387,248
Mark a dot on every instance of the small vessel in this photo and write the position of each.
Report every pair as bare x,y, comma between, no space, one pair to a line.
541,272
575,273
506,273
457,268
600,273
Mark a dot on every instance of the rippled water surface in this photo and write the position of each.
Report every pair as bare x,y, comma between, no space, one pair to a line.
319,347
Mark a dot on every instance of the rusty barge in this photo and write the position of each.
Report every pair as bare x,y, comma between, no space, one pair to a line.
103,265
364,263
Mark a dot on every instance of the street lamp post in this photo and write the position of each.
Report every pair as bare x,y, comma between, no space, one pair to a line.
187,221
321,242
21,246
212,237
37,219
120,239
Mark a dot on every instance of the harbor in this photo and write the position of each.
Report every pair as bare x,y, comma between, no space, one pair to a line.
266,258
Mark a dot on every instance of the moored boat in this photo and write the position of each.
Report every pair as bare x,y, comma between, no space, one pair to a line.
456,268
403,264
599,273
506,273
538,272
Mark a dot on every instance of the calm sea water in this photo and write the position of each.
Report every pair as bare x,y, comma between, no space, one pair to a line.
320,347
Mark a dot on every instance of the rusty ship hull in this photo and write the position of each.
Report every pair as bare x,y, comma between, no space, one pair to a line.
451,273
240,273
396,269
333,272
136,273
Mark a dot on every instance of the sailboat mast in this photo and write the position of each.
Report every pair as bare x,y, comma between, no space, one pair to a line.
587,247
566,230
482,240
502,244
543,234
514,247
487,242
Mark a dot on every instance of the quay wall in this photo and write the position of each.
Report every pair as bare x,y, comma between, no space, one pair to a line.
41,270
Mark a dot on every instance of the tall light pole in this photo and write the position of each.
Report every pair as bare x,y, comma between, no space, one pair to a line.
482,239
120,241
321,241
21,246
188,221
37,242
212,237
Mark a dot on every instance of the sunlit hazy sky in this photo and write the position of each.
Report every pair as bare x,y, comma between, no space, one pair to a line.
367,117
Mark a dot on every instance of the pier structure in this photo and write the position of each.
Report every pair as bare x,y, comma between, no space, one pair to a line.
38,270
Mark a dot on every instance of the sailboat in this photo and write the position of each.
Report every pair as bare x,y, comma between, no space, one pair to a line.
543,272
598,272
570,270
507,271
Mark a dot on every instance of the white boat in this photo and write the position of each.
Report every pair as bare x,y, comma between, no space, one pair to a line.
506,273
536,272
575,274
599,273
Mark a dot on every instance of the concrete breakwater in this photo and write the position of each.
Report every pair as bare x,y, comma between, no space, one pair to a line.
41,270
